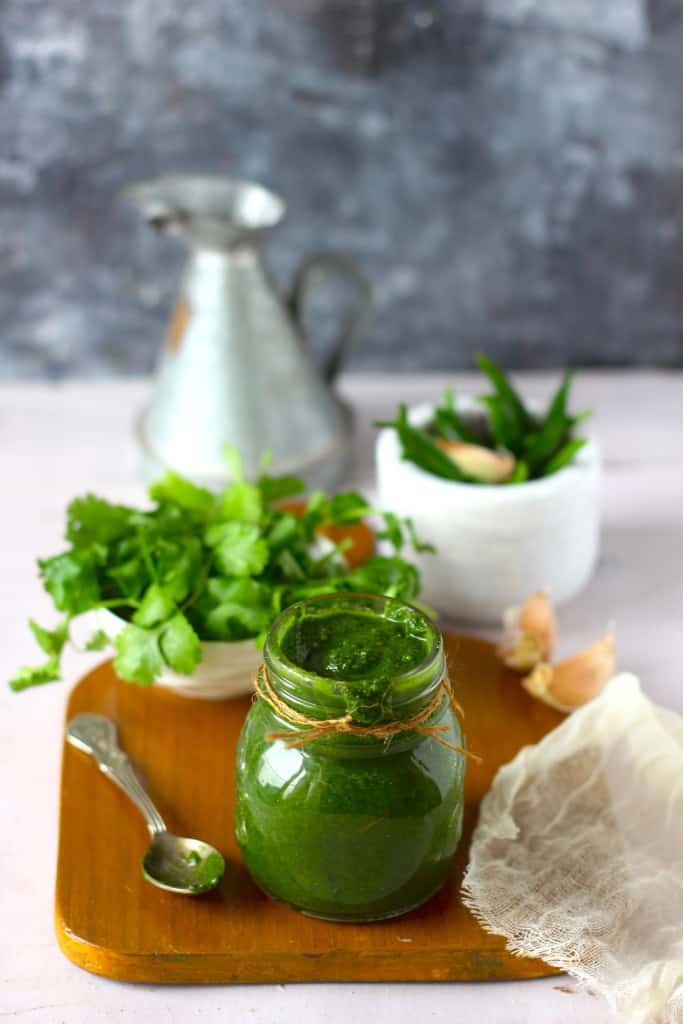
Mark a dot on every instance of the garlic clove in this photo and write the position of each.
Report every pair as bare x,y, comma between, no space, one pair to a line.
529,633
576,680
478,462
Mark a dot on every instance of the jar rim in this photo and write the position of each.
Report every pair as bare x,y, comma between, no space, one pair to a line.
307,689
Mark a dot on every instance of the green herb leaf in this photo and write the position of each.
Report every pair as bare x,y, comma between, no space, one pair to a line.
243,502
450,425
176,489
275,488
520,473
234,609
138,657
71,580
564,456
93,520
392,530
418,447
98,641
290,567
130,577
179,565
580,417
511,407
27,677
314,513
415,542
51,641
503,431
157,605
390,576
345,509
283,531
553,429
180,645
239,548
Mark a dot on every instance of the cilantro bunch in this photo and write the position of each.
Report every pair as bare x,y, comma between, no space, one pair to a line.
199,566
540,445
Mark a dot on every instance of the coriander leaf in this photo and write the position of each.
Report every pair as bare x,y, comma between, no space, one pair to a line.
239,548
332,562
180,645
178,564
314,513
242,501
93,520
290,568
233,609
51,641
156,606
275,488
293,591
564,456
138,658
284,530
345,509
172,487
26,677
71,580
98,641
390,576
130,576
392,530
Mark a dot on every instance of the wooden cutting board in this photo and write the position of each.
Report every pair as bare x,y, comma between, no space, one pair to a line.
110,921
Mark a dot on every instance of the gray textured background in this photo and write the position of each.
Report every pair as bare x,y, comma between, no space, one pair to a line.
509,173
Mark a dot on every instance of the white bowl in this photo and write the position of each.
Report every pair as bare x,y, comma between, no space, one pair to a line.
226,669
496,544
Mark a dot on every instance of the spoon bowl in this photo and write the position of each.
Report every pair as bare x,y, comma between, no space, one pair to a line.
182,865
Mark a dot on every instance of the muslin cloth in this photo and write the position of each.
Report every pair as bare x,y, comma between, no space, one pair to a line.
577,857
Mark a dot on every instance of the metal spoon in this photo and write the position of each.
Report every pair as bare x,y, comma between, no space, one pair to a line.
172,862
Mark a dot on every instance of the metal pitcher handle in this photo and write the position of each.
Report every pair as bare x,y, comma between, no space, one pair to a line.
326,265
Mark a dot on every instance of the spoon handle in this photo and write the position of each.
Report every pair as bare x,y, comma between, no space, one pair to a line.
96,735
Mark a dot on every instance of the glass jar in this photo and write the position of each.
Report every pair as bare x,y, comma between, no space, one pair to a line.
360,825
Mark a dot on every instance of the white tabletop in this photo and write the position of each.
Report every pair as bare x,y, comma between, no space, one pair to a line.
60,440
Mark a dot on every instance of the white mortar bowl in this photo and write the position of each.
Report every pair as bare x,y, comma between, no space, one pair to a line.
226,670
496,544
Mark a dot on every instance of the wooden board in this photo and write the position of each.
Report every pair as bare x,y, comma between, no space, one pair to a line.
110,921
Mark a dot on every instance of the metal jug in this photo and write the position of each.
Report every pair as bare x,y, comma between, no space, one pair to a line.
235,366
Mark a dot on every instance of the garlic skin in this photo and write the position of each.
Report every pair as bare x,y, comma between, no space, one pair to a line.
483,464
529,635
577,679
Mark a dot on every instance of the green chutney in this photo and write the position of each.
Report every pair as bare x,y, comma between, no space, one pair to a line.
350,827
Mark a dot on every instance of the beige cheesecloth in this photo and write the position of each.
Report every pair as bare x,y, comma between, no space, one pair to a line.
578,854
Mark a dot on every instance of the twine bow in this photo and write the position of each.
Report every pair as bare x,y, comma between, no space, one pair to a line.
317,728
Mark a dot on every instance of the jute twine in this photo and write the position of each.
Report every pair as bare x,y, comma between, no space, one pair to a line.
317,728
